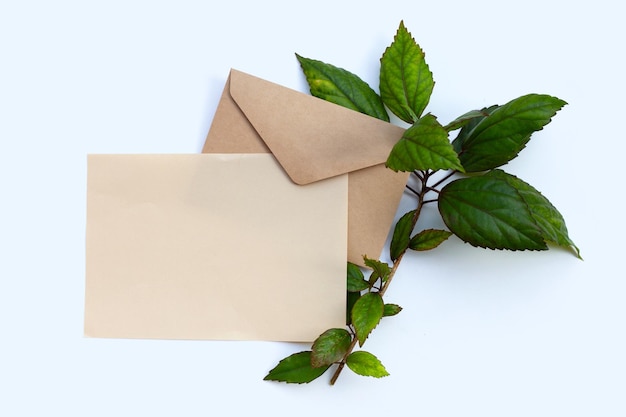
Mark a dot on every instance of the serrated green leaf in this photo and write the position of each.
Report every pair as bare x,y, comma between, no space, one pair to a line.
401,235
406,82
467,128
488,212
464,119
391,310
296,369
356,280
350,300
424,145
330,347
379,269
428,239
342,87
366,314
546,216
365,364
498,138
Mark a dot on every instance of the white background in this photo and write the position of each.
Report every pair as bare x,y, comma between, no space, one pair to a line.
482,333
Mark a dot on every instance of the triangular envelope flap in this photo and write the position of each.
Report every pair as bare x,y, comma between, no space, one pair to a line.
311,138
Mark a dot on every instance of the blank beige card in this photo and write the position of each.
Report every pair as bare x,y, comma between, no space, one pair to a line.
212,246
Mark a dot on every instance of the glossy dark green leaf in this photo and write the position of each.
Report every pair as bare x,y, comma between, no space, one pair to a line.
428,239
342,87
366,314
391,310
296,369
499,137
546,216
365,364
424,145
464,119
356,280
330,347
379,270
406,82
488,212
351,298
468,126
401,235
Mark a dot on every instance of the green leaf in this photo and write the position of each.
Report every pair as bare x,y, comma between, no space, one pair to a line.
499,138
342,87
296,369
401,235
350,301
366,314
488,212
464,119
406,82
469,125
366,364
330,347
379,269
546,216
425,145
391,310
428,239
356,280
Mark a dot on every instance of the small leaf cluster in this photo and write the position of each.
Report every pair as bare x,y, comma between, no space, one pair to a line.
366,309
478,201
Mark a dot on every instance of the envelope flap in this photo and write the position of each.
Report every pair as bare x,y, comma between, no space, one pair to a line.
311,138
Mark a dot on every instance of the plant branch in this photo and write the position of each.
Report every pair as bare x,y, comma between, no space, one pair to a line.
448,175
396,263
413,190
343,361
394,268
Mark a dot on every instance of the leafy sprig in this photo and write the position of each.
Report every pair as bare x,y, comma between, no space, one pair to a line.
483,206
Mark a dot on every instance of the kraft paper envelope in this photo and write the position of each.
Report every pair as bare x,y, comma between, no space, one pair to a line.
212,247
314,140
